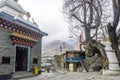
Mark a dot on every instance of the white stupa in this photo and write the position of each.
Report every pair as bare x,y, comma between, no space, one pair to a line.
11,7
114,68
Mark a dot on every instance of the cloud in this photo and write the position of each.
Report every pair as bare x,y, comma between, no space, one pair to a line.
63,36
48,15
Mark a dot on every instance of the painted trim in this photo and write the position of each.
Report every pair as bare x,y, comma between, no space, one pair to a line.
30,24
14,58
13,19
25,22
28,57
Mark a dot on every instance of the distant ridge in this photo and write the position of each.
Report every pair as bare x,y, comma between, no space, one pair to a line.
56,44
53,48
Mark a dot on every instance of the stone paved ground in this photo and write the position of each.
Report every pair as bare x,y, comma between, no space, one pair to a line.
73,76
107,78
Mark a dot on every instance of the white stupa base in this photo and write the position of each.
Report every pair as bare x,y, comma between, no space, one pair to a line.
111,72
114,67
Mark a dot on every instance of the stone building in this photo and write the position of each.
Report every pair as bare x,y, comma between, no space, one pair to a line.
57,62
20,39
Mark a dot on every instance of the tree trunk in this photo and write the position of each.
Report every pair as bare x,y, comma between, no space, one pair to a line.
113,39
87,35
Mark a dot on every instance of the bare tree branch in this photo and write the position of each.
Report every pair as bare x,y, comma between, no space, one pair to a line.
77,18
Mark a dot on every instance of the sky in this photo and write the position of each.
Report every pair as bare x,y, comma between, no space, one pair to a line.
48,15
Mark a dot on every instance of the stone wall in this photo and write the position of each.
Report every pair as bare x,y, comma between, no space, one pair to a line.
58,62
6,50
36,53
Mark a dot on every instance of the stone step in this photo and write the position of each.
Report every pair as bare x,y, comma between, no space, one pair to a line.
22,74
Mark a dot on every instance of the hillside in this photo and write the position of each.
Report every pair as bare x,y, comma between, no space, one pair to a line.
53,48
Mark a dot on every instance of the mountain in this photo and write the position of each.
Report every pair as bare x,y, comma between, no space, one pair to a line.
53,48
56,44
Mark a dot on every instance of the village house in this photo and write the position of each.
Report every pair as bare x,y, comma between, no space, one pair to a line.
20,39
73,60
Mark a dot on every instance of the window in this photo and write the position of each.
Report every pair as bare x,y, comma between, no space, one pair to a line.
5,60
35,60
76,54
